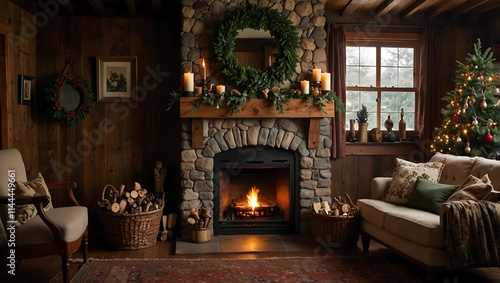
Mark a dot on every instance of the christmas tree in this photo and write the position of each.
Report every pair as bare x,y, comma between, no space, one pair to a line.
471,116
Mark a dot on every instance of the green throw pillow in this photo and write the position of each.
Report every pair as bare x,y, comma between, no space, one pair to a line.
429,196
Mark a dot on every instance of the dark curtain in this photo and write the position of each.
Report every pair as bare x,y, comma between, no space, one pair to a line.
425,102
335,64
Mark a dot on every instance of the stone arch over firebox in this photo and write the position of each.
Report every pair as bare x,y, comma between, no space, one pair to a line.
197,165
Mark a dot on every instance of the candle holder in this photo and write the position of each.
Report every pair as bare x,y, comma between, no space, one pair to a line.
317,84
203,86
189,93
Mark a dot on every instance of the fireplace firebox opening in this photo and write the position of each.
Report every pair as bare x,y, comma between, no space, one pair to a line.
254,191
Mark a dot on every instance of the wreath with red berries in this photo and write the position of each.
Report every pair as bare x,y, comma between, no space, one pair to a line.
57,109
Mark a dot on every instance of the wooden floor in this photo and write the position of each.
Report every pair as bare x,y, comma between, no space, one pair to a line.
47,269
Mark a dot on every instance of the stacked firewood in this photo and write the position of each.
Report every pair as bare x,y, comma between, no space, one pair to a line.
200,218
134,200
341,207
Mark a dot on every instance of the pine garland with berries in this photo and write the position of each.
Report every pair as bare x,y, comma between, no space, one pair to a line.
470,125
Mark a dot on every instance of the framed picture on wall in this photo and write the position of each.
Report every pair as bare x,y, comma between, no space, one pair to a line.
116,77
26,89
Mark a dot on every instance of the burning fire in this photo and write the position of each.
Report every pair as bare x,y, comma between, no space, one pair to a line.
253,197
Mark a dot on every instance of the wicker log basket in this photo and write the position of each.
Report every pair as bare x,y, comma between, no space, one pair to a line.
129,229
335,227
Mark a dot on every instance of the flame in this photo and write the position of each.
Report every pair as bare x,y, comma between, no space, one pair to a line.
253,197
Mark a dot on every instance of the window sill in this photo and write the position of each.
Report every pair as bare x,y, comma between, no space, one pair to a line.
380,148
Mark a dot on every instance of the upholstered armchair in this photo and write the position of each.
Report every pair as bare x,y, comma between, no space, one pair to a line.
43,230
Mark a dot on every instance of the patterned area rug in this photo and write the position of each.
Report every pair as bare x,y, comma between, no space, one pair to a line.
290,269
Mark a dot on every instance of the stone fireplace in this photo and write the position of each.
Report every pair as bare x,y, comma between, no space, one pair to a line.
304,135
247,137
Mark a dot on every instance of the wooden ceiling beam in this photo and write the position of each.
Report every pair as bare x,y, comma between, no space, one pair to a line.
131,7
412,9
466,7
353,6
156,5
482,10
97,6
445,6
385,7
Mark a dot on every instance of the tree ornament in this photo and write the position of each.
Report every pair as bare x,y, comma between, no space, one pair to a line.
475,122
483,104
488,138
467,148
480,76
456,105
458,139
454,117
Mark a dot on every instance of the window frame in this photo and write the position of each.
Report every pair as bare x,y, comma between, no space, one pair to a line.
402,40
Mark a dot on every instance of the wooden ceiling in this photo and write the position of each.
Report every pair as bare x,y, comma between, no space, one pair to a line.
406,9
469,10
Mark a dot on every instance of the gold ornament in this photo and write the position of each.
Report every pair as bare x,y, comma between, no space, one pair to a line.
467,148
483,104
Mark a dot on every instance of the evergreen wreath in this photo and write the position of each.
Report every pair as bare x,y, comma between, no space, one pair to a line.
285,37
57,109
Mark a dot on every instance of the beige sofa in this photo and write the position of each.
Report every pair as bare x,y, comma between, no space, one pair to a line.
413,233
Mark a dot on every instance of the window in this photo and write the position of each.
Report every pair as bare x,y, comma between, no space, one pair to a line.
381,74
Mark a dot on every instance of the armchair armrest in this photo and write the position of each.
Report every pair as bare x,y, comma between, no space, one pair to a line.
379,187
69,186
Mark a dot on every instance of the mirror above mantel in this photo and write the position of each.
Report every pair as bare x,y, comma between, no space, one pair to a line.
255,48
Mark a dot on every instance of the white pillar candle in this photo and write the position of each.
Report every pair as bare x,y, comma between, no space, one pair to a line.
304,87
221,89
326,81
316,75
188,81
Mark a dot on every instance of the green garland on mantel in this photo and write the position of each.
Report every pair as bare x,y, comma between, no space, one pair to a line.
276,96
258,18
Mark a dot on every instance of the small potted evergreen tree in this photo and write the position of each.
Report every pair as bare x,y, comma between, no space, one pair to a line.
362,118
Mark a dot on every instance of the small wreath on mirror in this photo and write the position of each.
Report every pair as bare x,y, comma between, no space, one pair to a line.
58,110
285,37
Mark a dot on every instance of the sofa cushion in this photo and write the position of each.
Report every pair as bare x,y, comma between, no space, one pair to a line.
404,176
473,189
37,186
373,211
485,166
456,169
418,226
429,196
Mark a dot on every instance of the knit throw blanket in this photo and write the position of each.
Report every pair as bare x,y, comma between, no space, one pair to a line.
472,233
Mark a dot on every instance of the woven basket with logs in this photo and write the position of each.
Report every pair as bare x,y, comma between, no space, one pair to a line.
335,226
130,218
